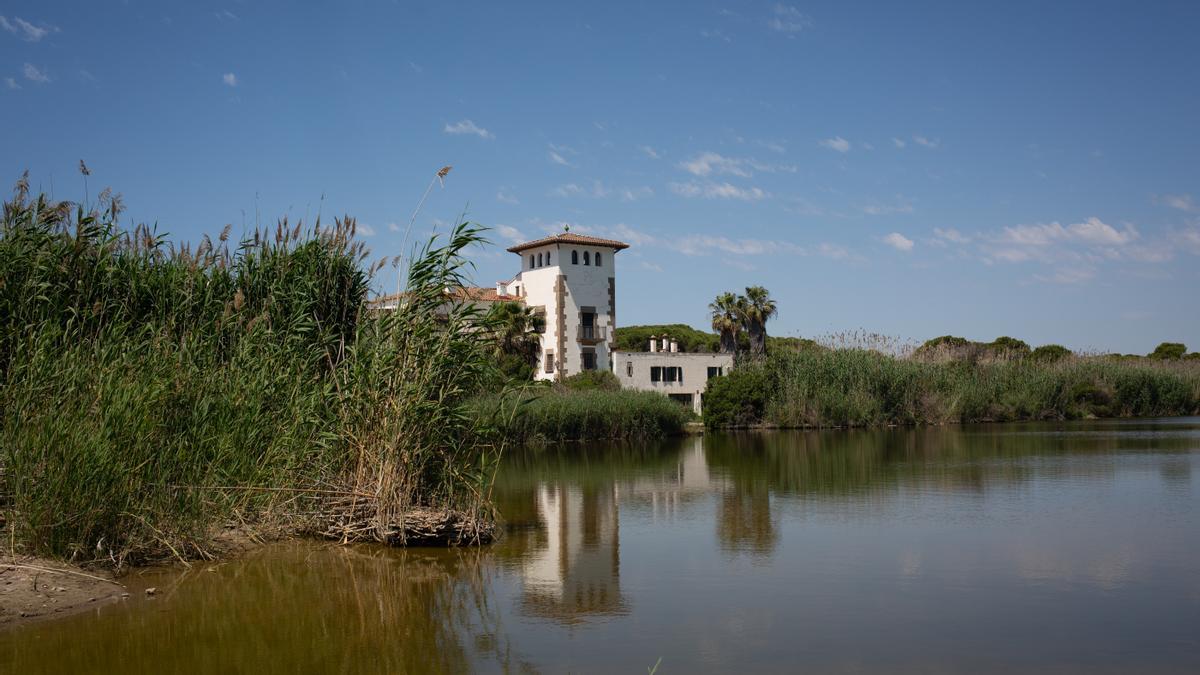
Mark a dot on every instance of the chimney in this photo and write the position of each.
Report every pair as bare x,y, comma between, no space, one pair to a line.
501,288
666,344
653,343
674,346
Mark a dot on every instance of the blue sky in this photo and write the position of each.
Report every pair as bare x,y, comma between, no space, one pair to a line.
911,169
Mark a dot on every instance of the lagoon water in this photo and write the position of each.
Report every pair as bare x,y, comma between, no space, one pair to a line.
1042,548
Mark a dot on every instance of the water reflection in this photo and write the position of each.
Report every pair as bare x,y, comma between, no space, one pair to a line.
1051,548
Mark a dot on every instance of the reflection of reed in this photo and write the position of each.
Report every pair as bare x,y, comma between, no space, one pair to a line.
293,608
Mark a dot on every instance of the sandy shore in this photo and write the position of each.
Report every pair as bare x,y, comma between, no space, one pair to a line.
35,589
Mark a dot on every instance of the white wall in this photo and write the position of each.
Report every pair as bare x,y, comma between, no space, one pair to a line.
694,365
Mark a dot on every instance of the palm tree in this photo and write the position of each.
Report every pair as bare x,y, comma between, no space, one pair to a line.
726,320
518,331
757,309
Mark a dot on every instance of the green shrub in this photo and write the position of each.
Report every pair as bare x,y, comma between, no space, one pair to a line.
1050,353
559,414
738,399
1169,350
637,338
591,379
1010,346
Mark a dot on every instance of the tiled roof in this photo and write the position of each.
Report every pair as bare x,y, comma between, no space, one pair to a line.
570,238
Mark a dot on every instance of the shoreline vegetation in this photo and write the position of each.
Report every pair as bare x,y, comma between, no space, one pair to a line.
152,393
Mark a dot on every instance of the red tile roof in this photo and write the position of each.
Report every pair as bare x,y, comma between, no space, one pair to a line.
570,238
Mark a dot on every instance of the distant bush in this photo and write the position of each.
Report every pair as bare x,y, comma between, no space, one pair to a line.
1010,345
1169,350
591,380
1050,353
637,338
558,414
738,399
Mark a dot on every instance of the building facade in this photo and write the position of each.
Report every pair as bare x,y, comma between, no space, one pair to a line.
571,280
679,375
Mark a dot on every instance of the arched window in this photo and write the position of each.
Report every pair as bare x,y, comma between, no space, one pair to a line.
531,259
574,257
547,257
539,260
587,258
597,258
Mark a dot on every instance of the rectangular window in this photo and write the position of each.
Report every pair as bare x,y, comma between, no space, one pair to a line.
629,369
589,360
673,374
656,373
714,371
550,361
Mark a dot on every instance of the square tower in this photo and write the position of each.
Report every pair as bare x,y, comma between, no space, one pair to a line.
571,279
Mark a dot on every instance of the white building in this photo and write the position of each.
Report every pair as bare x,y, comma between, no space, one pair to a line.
681,376
571,279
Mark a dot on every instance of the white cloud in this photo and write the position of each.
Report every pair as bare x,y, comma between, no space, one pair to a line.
715,35
1092,231
899,143
650,152
951,235
510,234
364,229
788,19
926,142
649,266
836,143
11,83
394,227
558,159
1182,202
503,195
568,190
711,162
467,127
634,194
33,74
833,251
704,244
226,15
898,242
773,146
717,191
26,30
230,79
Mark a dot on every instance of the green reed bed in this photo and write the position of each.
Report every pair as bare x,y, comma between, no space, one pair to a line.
550,415
149,392
857,387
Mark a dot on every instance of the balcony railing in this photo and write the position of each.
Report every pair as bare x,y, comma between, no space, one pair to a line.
592,334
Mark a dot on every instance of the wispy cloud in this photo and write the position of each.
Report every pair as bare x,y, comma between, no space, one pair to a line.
507,197
364,230
703,244
230,79
467,127
26,30
634,194
650,152
11,83
557,158
836,143
34,74
901,205
1184,203
714,164
899,143
511,234
926,142
1092,231
711,190
899,242
787,19
715,35
950,235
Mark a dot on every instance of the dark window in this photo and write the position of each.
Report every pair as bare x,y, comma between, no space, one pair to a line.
549,361
574,257
531,259
597,260
656,373
539,260
673,374
714,371
587,258
629,369
547,257
589,360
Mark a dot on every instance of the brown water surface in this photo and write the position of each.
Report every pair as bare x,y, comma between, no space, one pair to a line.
1019,548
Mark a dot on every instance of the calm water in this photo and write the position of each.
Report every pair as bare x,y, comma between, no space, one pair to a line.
1039,548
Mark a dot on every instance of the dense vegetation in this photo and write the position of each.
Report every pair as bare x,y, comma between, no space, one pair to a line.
587,406
148,392
637,339
859,387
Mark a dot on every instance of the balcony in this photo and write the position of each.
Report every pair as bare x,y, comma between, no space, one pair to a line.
591,335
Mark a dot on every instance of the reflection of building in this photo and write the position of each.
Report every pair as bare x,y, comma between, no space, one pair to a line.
578,571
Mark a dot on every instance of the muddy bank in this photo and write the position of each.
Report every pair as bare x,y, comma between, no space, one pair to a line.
36,589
